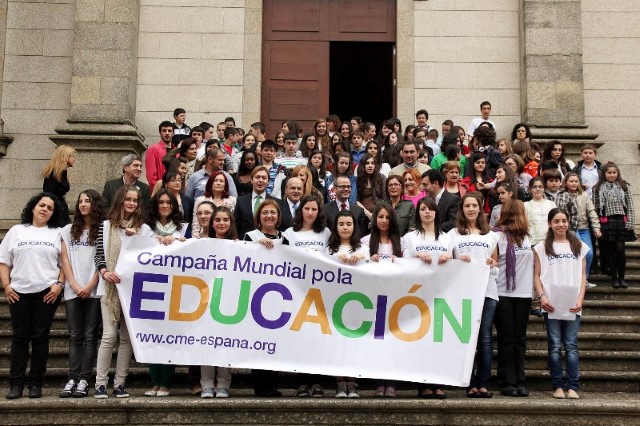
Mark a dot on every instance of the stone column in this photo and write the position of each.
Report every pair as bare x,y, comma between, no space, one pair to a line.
4,139
103,90
551,72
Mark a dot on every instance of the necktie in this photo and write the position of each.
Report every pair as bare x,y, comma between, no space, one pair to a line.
257,204
293,209
343,207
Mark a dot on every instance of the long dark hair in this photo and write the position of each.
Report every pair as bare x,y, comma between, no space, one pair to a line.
334,240
243,169
306,152
462,224
513,221
232,234
175,216
602,179
394,230
375,179
321,220
431,204
57,219
574,242
546,155
471,171
322,171
116,212
96,216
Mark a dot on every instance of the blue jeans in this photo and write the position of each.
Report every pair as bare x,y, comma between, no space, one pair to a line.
84,318
563,333
584,235
484,349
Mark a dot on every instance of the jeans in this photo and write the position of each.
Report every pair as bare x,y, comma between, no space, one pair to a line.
584,235
83,317
484,349
162,374
108,342
512,316
31,321
563,333
218,376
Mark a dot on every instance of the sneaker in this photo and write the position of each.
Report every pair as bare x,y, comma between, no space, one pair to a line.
207,393
101,392
316,391
379,392
82,389
559,394
591,285
303,392
341,390
351,390
571,394
68,390
119,392
390,392
222,393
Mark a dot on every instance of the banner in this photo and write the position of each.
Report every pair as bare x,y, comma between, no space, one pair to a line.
237,304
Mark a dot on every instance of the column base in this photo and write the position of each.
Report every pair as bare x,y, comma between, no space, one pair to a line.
572,137
5,140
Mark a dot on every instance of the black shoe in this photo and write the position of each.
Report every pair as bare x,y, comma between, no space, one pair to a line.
509,392
35,392
623,284
615,284
522,391
15,392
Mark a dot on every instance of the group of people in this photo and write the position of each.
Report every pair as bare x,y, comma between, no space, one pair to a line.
340,189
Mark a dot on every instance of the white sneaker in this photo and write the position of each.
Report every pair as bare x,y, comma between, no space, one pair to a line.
341,390
207,393
68,390
222,393
559,394
591,285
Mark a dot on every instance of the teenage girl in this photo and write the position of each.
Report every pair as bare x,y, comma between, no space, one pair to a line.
433,247
559,263
614,203
472,227
345,244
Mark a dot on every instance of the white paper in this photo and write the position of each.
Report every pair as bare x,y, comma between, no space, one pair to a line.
563,298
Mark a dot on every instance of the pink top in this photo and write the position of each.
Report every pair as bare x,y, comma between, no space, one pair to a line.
415,198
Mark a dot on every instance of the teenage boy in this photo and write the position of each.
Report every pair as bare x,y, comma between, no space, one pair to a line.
552,180
485,112
431,142
197,134
181,129
357,146
220,128
289,159
232,159
588,168
153,158
277,173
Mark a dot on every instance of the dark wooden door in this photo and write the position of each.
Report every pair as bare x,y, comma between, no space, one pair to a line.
295,61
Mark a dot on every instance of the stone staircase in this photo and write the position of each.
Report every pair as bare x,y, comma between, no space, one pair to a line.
609,343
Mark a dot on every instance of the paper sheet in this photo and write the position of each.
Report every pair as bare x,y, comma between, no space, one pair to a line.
563,298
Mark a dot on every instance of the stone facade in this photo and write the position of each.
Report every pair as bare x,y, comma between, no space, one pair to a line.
101,74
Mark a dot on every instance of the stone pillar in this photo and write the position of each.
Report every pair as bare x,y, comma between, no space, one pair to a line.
551,72
103,90
4,139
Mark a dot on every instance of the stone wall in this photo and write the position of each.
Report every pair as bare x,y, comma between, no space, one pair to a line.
37,62
610,39
190,55
466,52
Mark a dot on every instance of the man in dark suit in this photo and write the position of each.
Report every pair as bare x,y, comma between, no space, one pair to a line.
342,186
289,204
248,204
448,203
131,172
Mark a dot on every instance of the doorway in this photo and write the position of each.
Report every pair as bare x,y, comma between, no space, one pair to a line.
361,80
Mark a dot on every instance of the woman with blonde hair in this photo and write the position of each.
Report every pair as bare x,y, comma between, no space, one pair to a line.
55,176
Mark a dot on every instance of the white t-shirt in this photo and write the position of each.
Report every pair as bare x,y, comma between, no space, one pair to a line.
480,248
33,255
346,249
420,243
524,268
308,239
81,255
562,269
385,251
478,121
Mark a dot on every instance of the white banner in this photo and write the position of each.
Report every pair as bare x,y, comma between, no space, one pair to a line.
240,305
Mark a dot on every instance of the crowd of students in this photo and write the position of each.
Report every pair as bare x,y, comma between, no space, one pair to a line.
341,189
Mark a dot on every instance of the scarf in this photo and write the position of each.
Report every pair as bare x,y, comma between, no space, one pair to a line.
611,192
164,230
113,252
510,260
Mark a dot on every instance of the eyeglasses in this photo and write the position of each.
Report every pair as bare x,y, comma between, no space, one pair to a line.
176,180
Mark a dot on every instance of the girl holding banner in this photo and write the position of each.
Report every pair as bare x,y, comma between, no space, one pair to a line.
125,219
346,246
560,281
433,248
165,220
473,240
